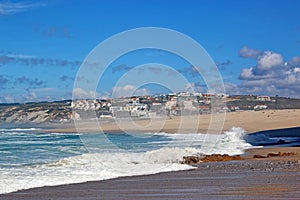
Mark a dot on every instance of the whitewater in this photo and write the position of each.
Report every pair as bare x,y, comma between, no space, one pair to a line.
31,158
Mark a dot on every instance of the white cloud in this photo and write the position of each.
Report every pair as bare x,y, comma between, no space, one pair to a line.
194,87
272,75
269,60
21,95
247,73
296,70
7,98
247,52
8,8
21,56
253,74
269,65
44,90
29,96
190,87
295,61
79,93
128,90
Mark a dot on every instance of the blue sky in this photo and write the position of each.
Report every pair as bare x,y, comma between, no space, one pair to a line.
255,44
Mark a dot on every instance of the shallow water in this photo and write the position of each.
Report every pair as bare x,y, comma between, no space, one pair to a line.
289,137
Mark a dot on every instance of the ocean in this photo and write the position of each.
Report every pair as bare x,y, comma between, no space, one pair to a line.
30,157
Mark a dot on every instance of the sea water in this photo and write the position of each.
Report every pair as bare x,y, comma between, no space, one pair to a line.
32,158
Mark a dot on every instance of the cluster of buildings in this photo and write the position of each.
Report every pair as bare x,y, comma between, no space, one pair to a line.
145,106
90,104
183,103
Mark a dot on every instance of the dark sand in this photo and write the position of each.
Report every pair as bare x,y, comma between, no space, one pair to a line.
271,178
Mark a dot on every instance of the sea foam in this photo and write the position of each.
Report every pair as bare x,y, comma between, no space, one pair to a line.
101,165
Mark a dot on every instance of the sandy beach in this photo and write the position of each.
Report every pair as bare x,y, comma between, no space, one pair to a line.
251,121
260,178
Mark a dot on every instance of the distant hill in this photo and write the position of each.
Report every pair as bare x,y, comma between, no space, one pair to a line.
36,112
59,111
247,102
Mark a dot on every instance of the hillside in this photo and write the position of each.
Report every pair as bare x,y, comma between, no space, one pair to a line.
247,102
35,112
60,111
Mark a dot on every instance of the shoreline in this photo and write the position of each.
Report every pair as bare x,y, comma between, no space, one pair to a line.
266,178
210,180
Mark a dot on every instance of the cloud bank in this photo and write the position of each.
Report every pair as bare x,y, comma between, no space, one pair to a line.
272,75
28,60
128,90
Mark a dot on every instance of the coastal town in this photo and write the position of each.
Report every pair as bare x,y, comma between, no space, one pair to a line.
140,107
183,103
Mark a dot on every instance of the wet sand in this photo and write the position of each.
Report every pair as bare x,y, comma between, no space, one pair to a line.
248,179
269,178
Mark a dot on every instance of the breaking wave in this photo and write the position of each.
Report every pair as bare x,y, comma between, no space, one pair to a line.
85,166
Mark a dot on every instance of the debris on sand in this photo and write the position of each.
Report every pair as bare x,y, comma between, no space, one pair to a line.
210,158
279,154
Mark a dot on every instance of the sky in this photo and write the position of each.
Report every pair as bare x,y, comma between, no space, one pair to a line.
43,45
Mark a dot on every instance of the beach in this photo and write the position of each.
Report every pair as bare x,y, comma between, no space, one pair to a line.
251,121
134,100
247,179
251,178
